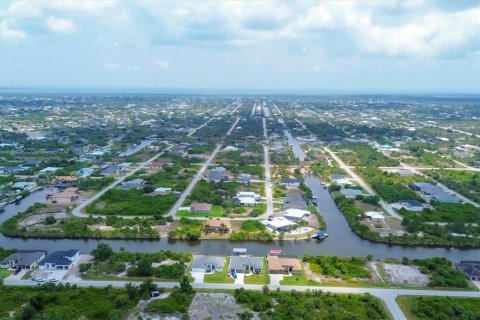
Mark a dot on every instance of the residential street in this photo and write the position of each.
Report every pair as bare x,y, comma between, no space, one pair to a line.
387,295
362,183
198,176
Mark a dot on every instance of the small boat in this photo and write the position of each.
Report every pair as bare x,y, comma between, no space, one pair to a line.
275,252
320,235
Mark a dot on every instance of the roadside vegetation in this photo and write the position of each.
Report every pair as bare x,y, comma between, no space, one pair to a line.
439,308
311,305
363,155
338,267
121,265
50,301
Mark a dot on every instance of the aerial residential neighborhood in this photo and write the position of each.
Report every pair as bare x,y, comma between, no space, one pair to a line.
239,160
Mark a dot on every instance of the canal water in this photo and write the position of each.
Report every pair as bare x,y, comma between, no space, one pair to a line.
341,240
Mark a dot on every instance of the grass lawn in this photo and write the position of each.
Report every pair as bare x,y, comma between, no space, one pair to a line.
216,212
261,278
300,280
442,305
4,273
220,277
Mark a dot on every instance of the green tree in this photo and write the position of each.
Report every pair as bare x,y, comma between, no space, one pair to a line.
50,220
102,252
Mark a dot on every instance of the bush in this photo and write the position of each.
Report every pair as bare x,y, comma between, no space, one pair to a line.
50,220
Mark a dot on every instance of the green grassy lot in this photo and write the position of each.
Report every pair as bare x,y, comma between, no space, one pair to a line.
4,273
62,303
439,307
217,211
261,278
312,305
220,277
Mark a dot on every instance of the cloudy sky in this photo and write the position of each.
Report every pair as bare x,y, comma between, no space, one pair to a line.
285,46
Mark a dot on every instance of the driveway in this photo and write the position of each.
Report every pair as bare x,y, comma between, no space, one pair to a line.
240,278
17,276
198,276
275,279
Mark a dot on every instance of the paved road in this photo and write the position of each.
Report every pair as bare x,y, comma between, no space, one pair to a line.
77,211
198,176
193,183
387,295
365,186
268,180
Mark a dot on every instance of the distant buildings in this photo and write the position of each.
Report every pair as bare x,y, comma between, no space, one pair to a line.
434,192
290,182
132,184
24,185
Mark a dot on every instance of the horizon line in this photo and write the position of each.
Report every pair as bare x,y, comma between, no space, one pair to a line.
213,91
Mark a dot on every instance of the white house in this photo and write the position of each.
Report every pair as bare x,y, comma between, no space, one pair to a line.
280,224
375,216
163,191
60,260
296,214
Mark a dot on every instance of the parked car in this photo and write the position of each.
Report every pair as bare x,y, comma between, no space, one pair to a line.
40,280
52,280
17,270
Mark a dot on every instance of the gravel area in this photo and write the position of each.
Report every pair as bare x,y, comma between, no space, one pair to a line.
215,306
401,274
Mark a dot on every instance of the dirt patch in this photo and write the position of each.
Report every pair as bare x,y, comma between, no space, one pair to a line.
101,227
215,306
36,219
163,230
401,274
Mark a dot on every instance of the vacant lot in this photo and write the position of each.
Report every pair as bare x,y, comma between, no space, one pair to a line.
401,274
214,306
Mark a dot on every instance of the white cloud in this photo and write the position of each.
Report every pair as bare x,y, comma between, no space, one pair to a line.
8,33
161,65
111,66
60,25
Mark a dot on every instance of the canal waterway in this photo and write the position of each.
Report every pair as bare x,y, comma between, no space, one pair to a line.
341,240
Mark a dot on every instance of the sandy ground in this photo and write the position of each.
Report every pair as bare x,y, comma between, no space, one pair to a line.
215,306
400,274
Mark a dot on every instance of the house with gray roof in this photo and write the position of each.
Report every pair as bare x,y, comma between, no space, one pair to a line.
132,184
471,269
25,259
207,263
351,193
60,260
240,264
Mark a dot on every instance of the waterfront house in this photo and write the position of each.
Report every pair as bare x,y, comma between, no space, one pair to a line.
25,259
60,260
283,265
207,263
471,269
217,225
240,264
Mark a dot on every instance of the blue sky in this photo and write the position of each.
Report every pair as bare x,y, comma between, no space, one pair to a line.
283,46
